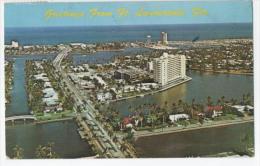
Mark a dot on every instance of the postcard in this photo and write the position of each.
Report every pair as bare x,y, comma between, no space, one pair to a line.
143,79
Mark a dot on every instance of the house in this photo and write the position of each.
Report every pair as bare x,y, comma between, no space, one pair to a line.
47,84
127,122
50,97
241,108
176,117
104,96
125,74
213,111
100,81
49,92
42,76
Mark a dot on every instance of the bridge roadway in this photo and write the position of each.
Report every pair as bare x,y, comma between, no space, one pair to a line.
103,137
20,117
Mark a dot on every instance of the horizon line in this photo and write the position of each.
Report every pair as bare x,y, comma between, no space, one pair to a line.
72,26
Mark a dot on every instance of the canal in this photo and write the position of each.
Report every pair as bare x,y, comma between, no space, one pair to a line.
64,135
195,143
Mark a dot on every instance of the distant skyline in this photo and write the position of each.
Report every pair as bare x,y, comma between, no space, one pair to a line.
34,14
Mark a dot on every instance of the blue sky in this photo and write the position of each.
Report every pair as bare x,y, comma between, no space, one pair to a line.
32,14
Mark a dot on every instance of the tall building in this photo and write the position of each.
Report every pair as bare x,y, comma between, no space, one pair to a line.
150,66
169,68
148,39
164,38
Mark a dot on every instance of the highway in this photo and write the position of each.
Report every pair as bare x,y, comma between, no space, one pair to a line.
110,148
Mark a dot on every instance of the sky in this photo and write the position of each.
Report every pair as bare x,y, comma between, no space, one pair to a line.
34,14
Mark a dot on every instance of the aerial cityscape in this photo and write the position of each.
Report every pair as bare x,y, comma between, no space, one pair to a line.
92,92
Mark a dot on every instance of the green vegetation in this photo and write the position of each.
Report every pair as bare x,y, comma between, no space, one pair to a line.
246,143
17,152
35,94
45,152
8,80
152,116
41,152
34,89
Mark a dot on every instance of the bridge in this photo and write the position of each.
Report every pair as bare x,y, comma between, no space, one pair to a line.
61,55
20,117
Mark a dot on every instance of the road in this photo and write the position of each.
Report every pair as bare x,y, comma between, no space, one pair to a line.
111,148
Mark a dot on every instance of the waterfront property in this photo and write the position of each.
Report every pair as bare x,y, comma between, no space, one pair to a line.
46,99
180,123
168,68
163,89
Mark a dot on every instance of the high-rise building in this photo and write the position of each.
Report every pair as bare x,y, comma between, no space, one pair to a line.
164,38
150,66
168,68
148,39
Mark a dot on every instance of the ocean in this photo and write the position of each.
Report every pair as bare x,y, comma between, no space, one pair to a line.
99,34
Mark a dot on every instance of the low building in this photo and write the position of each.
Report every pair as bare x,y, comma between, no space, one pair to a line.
213,111
47,84
42,76
15,44
102,97
175,118
243,108
125,74
50,97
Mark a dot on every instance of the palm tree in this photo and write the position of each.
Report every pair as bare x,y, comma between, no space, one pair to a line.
17,152
45,151
173,107
180,103
222,100
209,102
249,99
218,102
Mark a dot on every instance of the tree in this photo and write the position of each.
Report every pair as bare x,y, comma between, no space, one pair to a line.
209,102
247,142
45,151
180,103
17,152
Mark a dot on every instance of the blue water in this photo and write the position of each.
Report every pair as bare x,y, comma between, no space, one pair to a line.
19,105
57,35
64,135
106,56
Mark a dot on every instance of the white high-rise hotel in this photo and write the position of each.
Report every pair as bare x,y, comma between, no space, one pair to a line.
169,68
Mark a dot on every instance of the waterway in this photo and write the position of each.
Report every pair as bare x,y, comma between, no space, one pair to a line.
107,56
194,143
199,88
69,145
